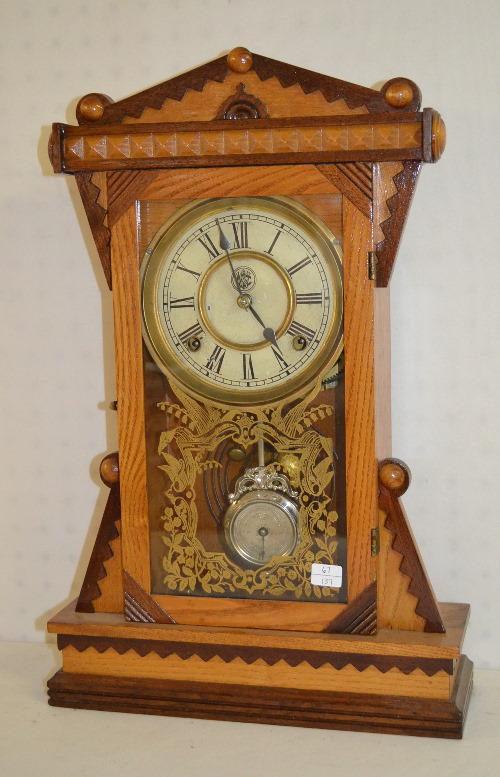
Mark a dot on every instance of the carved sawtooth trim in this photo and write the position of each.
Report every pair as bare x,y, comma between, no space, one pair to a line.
359,617
139,606
411,563
392,228
351,138
174,88
250,654
332,89
102,552
354,180
97,218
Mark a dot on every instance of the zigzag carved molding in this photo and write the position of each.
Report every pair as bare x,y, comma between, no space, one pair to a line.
404,543
265,68
250,654
392,228
90,192
102,552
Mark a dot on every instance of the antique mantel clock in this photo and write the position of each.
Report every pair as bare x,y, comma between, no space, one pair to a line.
254,562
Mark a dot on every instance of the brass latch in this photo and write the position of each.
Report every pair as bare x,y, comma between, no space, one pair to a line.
372,265
375,541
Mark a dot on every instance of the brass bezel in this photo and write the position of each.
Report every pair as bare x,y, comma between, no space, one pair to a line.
280,502
165,355
284,277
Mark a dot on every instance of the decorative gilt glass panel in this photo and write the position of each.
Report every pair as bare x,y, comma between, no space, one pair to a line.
243,363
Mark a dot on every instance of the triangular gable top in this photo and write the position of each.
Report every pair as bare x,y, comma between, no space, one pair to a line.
284,90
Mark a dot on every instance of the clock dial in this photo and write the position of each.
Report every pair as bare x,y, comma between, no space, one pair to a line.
261,525
242,298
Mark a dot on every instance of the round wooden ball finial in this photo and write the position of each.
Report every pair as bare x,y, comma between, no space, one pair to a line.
109,469
394,475
91,107
399,94
438,136
239,60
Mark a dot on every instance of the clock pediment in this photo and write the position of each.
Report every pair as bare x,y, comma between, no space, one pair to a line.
284,89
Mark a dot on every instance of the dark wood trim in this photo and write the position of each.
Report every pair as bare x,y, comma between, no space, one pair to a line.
354,180
174,88
96,571
217,125
411,564
96,216
282,706
124,153
265,68
392,228
139,606
247,653
241,160
124,188
359,617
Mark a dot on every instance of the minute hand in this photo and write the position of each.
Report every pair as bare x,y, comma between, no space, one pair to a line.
268,333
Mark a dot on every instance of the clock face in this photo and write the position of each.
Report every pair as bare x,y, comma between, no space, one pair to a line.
242,299
260,526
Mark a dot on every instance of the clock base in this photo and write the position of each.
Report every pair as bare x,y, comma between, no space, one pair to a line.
396,682
375,713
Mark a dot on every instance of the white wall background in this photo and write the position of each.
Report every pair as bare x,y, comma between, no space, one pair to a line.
56,335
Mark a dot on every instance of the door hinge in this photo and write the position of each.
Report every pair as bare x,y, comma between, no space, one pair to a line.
375,541
372,265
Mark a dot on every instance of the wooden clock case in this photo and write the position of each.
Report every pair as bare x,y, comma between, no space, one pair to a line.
389,660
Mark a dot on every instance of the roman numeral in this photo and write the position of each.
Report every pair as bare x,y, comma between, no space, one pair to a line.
209,246
193,331
216,358
299,330
270,249
185,269
240,229
315,298
299,265
182,302
248,373
282,363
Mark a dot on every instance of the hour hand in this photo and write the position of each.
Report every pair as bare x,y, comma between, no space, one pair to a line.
223,240
268,333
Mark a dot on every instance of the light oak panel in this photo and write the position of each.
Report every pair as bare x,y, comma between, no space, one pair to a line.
385,642
130,398
361,472
279,102
382,327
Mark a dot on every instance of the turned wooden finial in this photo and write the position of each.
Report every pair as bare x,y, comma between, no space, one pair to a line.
109,469
394,475
399,94
438,136
91,107
239,60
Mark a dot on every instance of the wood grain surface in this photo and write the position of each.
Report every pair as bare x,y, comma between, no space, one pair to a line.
378,713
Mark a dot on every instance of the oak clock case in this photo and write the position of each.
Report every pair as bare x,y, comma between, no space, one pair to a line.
254,561
242,312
